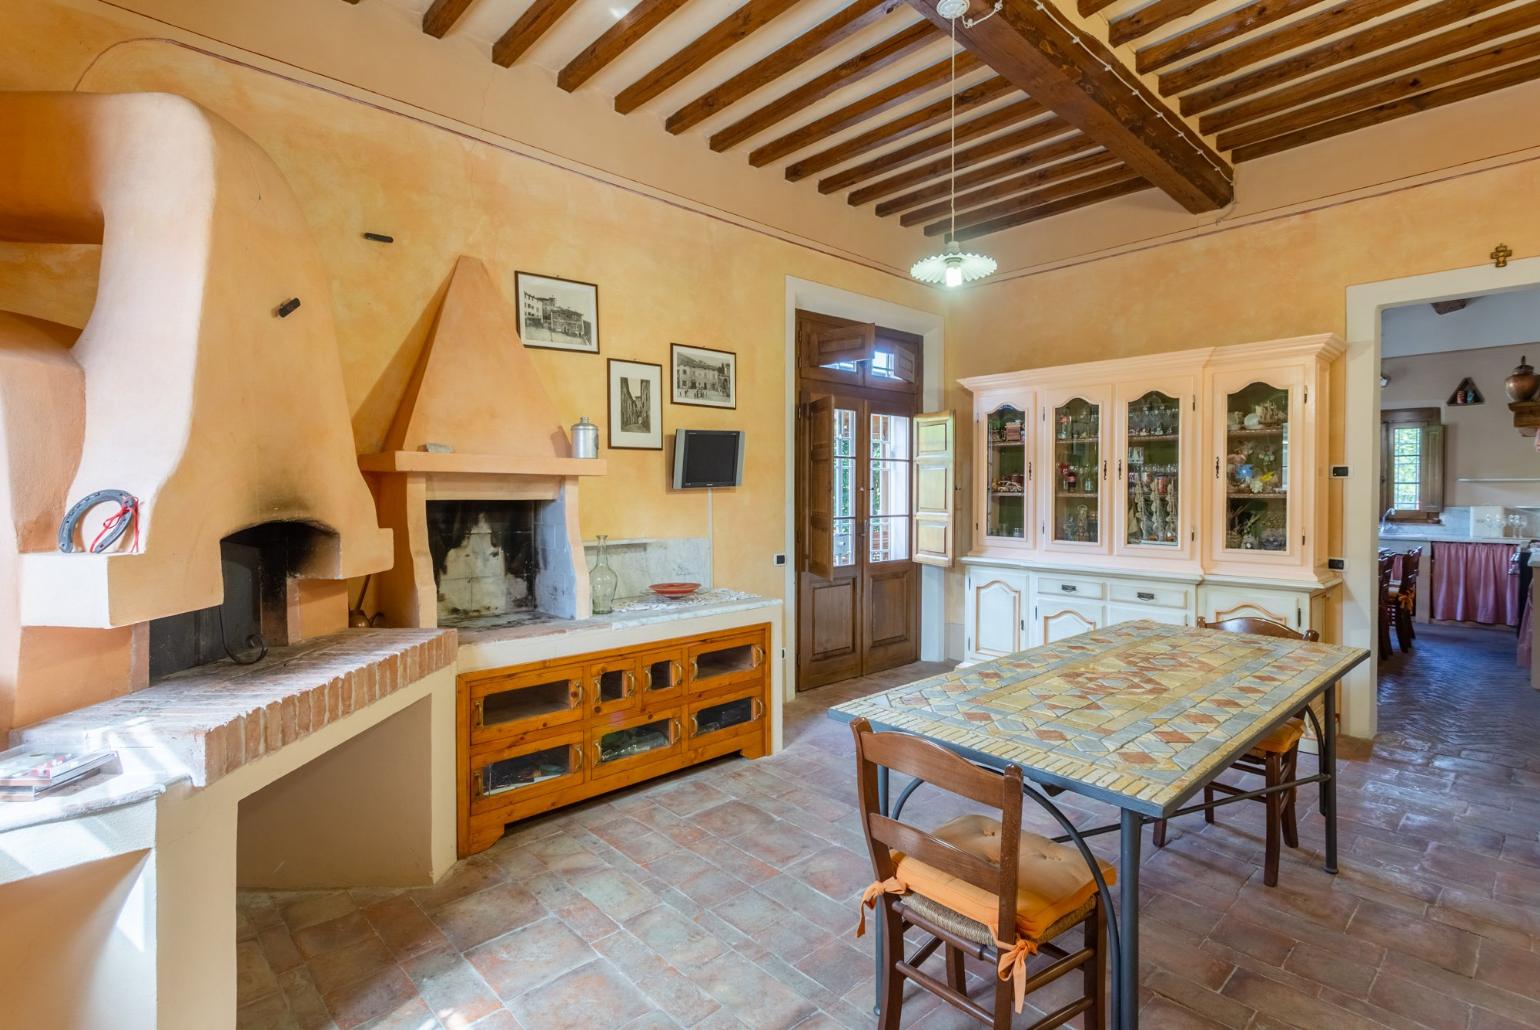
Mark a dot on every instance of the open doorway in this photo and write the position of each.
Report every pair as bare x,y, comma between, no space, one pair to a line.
1460,512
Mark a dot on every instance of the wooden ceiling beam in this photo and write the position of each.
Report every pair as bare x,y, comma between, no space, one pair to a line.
992,121
525,32
1115,176
1016,139
617,39
1129,27
1085,83
1327,55
1021,161
1465,90
850,19
974,96
1498,55
1048,210
442,15
1016,184
1090,7
857,111
1216,31
1429,48
1288,37
848,71
728,32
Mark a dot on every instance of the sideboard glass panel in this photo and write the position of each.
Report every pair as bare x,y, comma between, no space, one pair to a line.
1077,472
635,740
1257,469
726,715
1153,470
526,770
1006,432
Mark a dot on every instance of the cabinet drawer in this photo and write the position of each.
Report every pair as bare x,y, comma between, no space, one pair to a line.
612,685
502,775
1070,586
726,661
1163,595
508,705
725,716
661,675
638,741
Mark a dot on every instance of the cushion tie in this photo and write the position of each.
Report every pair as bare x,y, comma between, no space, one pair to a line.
1013,965
892,885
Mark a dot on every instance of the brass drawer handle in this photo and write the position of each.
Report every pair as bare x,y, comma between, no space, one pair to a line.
598,755
757,707
577,757
757,654
479,785
694,669
678,731
677,670
629,679
575,693
481,712
695,725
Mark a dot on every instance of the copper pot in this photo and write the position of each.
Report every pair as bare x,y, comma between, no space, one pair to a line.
1523,384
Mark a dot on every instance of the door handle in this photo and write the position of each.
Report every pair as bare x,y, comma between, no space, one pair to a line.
1120,468
1216,466
1104,470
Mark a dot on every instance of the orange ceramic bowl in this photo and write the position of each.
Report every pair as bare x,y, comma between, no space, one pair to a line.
674,590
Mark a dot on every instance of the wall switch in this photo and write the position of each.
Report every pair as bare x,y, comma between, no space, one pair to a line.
780,559
1336,564
1341,471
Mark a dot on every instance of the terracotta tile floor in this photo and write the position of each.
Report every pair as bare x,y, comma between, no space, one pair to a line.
726,897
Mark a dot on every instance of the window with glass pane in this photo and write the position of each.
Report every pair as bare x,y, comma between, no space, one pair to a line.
1006,443
888,531
883,365
1153,463
1256,473
1406,467
844,487
1077,472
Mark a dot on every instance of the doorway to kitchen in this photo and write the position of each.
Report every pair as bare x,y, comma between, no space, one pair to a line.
858,589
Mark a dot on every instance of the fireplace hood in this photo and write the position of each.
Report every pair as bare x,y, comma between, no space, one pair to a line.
476,426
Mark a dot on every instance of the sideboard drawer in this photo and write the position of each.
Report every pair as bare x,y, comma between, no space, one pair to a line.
509,705
726,661
503,775
1163,595
1072,587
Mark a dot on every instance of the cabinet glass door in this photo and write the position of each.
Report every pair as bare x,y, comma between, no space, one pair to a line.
1077,472
1005,503
1256,468
1152,462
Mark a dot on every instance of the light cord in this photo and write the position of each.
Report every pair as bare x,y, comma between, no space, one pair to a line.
952,150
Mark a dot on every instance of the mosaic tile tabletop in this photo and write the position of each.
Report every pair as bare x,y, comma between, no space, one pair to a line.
1139,714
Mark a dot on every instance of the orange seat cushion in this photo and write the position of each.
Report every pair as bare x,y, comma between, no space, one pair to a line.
1282,740
1052,880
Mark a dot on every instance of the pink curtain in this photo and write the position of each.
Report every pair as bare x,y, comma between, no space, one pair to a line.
1471,584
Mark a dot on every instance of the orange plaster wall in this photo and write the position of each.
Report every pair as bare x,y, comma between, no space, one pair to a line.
666,273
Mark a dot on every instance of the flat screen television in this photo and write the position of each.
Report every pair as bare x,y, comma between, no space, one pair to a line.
707,457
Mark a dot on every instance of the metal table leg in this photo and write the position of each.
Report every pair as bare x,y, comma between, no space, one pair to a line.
880,936
1329,767
1126,990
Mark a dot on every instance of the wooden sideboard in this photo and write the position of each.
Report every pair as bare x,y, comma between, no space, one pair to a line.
539,736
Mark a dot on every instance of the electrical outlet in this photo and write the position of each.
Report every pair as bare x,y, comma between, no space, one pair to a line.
1336,564
780,559
1341,471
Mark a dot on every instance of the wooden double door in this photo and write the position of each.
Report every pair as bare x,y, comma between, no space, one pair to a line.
874,498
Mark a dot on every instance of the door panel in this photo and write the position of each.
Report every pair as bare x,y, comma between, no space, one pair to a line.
934,471
836,344
833,619
890,591
998,611
818,531
1059,620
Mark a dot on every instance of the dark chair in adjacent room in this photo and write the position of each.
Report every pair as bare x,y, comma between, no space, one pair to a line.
1275,758
978,886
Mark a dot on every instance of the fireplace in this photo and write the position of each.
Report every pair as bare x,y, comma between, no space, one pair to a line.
496,563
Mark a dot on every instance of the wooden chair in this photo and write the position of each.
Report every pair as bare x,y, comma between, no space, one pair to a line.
1387,604
1402,599
1275,758
977,885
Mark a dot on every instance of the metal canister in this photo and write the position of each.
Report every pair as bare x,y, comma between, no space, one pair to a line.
585,439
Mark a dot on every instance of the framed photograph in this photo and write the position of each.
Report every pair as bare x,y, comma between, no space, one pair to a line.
557,314
636,405
704,378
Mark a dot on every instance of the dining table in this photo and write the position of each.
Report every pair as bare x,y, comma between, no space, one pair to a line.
1138,715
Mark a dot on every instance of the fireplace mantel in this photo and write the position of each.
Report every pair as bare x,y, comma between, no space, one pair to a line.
438,463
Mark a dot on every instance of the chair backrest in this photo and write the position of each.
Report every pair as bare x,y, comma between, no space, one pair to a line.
1387,572
944,770
1409,563
1261,627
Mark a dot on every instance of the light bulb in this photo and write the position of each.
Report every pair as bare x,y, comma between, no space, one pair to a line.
953,275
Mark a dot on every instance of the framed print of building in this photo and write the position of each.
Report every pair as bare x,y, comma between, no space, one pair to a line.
703,377
557,314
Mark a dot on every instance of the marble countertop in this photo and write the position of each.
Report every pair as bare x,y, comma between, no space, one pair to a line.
1437,534
109,788
629,612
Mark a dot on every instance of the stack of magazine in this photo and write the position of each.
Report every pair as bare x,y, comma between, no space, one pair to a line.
26,773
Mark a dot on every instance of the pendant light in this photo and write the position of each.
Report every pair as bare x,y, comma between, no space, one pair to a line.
953,267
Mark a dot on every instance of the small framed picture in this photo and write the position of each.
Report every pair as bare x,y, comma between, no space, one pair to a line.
704,378
636,405
557,314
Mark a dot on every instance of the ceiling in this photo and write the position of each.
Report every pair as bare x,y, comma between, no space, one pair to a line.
1057,108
